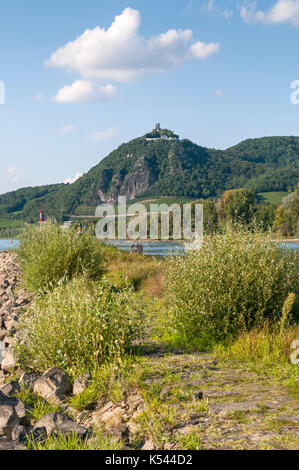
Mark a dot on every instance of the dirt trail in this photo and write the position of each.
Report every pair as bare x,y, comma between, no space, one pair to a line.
207,404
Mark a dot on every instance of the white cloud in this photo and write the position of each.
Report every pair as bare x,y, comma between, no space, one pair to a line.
103,135
217,8
65,130
200,50
72,180
120,53
283,11
12,172
82,91
219,93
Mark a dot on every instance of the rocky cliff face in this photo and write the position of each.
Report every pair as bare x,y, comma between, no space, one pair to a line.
130,185
120,182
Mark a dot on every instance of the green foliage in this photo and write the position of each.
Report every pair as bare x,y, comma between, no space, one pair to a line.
237,205
156,134
272,197
236,281
279,151
75,442
51,254
191,441
14,203
177,168
36,407
287,215
111,382
79,325
286,311
10,228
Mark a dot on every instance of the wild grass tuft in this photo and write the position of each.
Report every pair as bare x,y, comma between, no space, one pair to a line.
74,442
36,406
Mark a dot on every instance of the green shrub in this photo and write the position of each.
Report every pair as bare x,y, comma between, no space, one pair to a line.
79,325
236,281
48,255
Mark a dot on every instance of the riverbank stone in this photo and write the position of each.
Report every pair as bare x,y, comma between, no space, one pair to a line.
53,385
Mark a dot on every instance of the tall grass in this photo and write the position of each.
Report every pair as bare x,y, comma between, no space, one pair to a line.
144,272
237,281
75,442
52,253
79,325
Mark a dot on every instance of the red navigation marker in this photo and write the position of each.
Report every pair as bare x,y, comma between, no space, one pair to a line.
41,218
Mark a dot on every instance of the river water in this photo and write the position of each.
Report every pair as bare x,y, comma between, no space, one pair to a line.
149,248
7,244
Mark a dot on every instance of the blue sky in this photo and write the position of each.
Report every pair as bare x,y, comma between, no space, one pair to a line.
214,71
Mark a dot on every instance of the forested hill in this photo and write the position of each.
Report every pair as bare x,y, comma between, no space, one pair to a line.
166,167
276,151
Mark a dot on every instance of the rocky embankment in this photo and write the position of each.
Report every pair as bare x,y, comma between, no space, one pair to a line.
16,423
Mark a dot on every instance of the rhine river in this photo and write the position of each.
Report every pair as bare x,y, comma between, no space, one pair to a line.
149,248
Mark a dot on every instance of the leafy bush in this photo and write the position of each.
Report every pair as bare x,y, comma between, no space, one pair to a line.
48,255
236,281
79,325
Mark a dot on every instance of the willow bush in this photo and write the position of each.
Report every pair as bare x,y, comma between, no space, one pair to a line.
79,325
238,280
52,253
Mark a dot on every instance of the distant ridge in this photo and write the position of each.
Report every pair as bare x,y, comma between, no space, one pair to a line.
160,164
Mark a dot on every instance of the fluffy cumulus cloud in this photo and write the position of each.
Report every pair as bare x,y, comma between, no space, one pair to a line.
107,134
121,53
72,180
283,11
83,91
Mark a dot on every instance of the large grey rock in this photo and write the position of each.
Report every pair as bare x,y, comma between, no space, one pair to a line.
8,419
21,412
60,423
9,363
19,434
2,375
148,445
7,444
3,333
81,383
10,388
109,416
28,379
17,404
53,385
5,400
11,326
